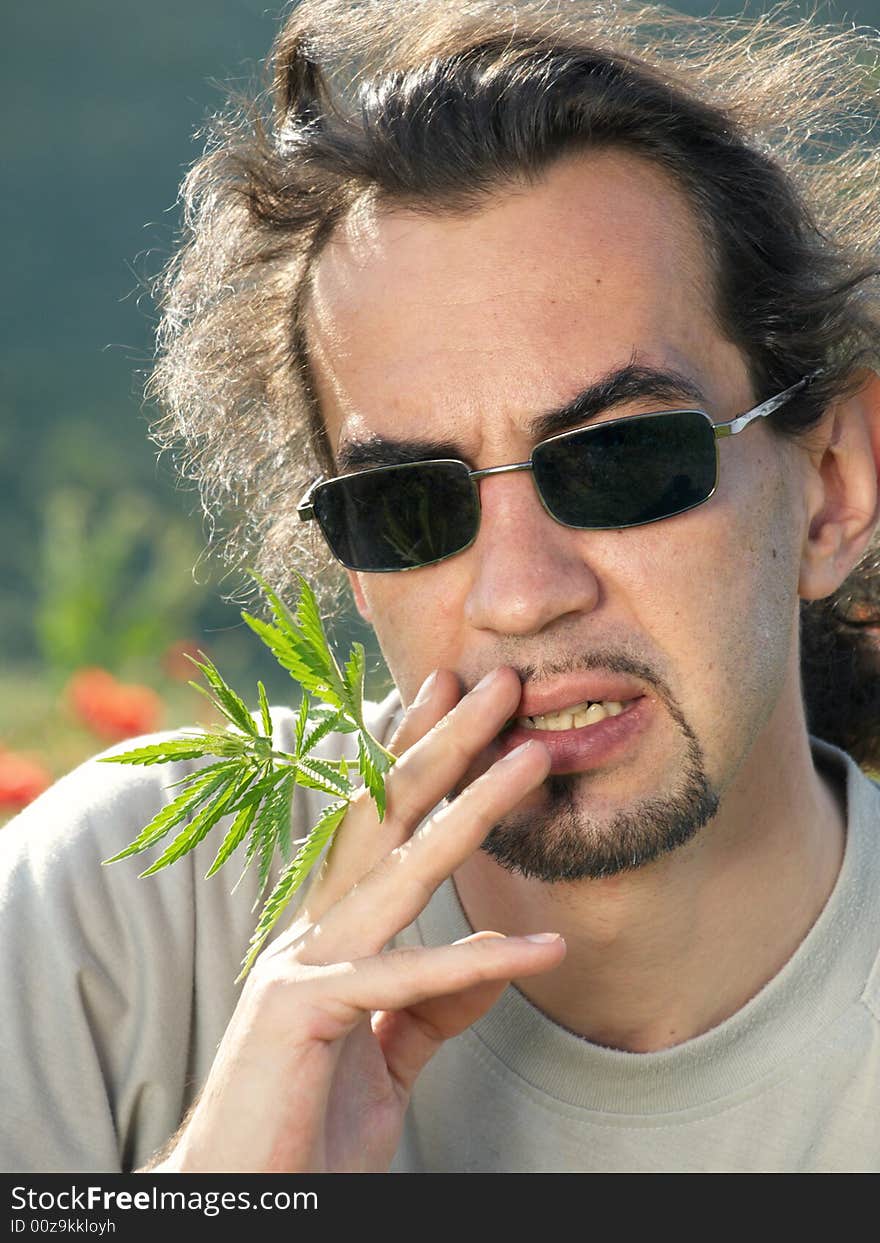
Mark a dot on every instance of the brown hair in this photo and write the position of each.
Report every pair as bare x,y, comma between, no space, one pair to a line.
436,104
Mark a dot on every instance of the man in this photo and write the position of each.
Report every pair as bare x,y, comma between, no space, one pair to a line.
523,240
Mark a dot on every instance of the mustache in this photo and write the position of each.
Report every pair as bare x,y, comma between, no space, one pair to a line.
607,660
538,671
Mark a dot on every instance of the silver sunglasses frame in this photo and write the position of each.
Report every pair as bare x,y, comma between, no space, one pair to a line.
732,427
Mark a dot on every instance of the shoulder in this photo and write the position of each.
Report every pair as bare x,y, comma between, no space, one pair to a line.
857,895
54,884
91,813
869,915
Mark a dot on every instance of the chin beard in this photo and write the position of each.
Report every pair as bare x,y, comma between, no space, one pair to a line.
560,842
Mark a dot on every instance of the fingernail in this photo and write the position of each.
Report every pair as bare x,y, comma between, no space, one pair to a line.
486,682
484,936
543,937
426,690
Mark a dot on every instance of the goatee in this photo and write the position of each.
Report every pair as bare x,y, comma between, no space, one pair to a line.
560,842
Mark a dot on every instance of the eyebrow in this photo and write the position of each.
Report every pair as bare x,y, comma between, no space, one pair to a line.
633,382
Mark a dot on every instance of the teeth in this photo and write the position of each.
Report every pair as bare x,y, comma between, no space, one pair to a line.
573,718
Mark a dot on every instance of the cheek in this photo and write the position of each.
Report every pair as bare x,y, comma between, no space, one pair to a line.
730,581
417,617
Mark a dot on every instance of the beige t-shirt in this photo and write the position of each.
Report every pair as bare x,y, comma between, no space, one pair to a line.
115,992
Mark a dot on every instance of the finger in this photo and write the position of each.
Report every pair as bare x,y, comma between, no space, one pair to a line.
438,694
331,1000
361,841
400,886
434,764
409,1038
430,767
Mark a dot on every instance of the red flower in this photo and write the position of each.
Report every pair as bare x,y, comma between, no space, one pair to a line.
111,709
175,663
22,778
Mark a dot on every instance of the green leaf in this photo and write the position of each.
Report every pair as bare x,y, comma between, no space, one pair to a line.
304,625
323,775
252,848
278,809
232,704
312,630
308,621
264,710
272,823
354,681
314,782
224,700
204,784
320,729
163,752
227,743
373,762
285,842
264,786
293,655
304,644
199,827
198,774
291,879
342,724
301,722
236,835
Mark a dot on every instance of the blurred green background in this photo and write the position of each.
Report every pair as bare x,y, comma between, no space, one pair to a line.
98,543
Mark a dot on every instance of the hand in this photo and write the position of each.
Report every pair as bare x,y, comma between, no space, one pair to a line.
316,1068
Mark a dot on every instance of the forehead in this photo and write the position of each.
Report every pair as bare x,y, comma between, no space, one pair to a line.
466,325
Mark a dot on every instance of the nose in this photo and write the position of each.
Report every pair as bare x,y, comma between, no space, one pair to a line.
527,570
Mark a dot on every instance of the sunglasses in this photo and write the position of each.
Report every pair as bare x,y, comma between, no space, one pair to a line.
621,473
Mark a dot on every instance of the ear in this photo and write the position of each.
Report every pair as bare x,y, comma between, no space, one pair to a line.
843,490
359,598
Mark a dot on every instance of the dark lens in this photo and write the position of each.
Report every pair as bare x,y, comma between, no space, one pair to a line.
398,517
628,471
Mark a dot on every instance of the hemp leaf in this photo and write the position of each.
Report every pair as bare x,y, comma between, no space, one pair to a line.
252,782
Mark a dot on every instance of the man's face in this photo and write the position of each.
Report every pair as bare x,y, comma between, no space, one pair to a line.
461,331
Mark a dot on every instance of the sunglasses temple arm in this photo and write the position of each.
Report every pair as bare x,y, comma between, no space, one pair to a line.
767,407
304,508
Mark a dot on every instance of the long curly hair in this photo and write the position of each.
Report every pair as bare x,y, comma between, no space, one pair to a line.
768,125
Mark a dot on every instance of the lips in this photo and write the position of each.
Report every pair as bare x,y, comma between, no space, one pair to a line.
558,694
587,747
